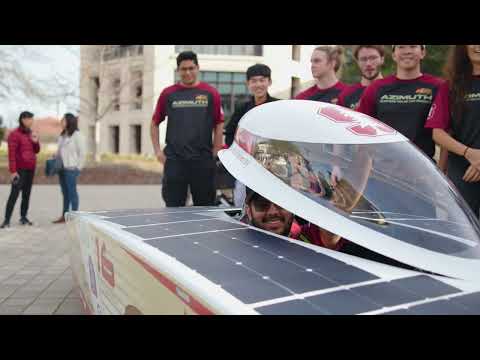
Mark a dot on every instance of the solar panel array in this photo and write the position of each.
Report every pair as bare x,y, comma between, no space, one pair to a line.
275,276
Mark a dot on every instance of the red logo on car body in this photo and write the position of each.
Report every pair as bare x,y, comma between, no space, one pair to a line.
360,124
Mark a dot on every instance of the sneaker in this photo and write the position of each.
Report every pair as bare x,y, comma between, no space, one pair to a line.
25,221
60,220
5,225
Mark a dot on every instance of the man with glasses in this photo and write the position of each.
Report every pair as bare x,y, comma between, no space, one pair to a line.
194,112
370,59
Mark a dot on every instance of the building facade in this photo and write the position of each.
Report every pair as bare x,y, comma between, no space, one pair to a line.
120,85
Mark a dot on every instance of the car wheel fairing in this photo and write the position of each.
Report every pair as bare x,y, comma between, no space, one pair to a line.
389,197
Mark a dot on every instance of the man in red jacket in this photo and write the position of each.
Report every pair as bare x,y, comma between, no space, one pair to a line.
23,146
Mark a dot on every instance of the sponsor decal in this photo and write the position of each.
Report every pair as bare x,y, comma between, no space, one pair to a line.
93,282
105,266
357,123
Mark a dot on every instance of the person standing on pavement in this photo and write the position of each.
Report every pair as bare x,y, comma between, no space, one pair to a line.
23,145
194,112
326,61
403,100
259,79
455,120
72,152
370,59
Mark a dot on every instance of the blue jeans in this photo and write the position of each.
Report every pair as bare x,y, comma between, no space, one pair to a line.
68,184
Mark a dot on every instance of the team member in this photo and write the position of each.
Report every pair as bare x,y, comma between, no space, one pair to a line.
455,120
403,100
23,146
259,79
369,59
325,62
194,112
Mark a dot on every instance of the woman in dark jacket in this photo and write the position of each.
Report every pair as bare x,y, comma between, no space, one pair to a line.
23,146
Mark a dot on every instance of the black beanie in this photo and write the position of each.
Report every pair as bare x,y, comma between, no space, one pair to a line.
259,70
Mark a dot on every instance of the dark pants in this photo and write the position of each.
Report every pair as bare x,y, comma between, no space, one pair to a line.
25,186
179,174
470,191
68,184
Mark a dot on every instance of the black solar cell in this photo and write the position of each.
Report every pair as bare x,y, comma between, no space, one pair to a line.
136,220
295,307
149,232
343,302
442,307
387,294
425,286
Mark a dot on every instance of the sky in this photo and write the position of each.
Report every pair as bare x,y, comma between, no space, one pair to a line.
55,59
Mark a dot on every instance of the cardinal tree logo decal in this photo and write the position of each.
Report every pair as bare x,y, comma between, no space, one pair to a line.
358,123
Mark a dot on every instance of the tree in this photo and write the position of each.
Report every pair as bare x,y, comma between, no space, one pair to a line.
16,82
108,85
2,129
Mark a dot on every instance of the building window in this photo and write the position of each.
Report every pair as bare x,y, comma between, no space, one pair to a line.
296,52
116,89
136,90
114,139
136,139
295,88
111,52
91,138
241,50
231,86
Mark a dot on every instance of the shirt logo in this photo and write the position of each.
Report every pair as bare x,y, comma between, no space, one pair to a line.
424,91
201,99
472,97
407,99
358,123
198,101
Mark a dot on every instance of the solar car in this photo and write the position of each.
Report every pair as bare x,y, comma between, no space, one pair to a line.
333,167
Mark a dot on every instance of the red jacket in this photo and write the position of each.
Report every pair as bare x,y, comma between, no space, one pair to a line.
21,150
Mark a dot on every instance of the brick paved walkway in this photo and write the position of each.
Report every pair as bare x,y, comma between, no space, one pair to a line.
35,276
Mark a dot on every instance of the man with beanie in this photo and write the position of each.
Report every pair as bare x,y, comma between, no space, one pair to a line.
259,79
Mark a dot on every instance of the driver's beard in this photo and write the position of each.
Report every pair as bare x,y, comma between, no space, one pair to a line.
285,233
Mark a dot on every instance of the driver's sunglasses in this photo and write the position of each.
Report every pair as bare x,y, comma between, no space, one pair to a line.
261,204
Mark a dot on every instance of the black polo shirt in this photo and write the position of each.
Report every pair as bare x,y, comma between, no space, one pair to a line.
193,113
241,110
329,95
404,106
350,97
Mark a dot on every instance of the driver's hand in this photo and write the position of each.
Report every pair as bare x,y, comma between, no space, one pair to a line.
336,176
